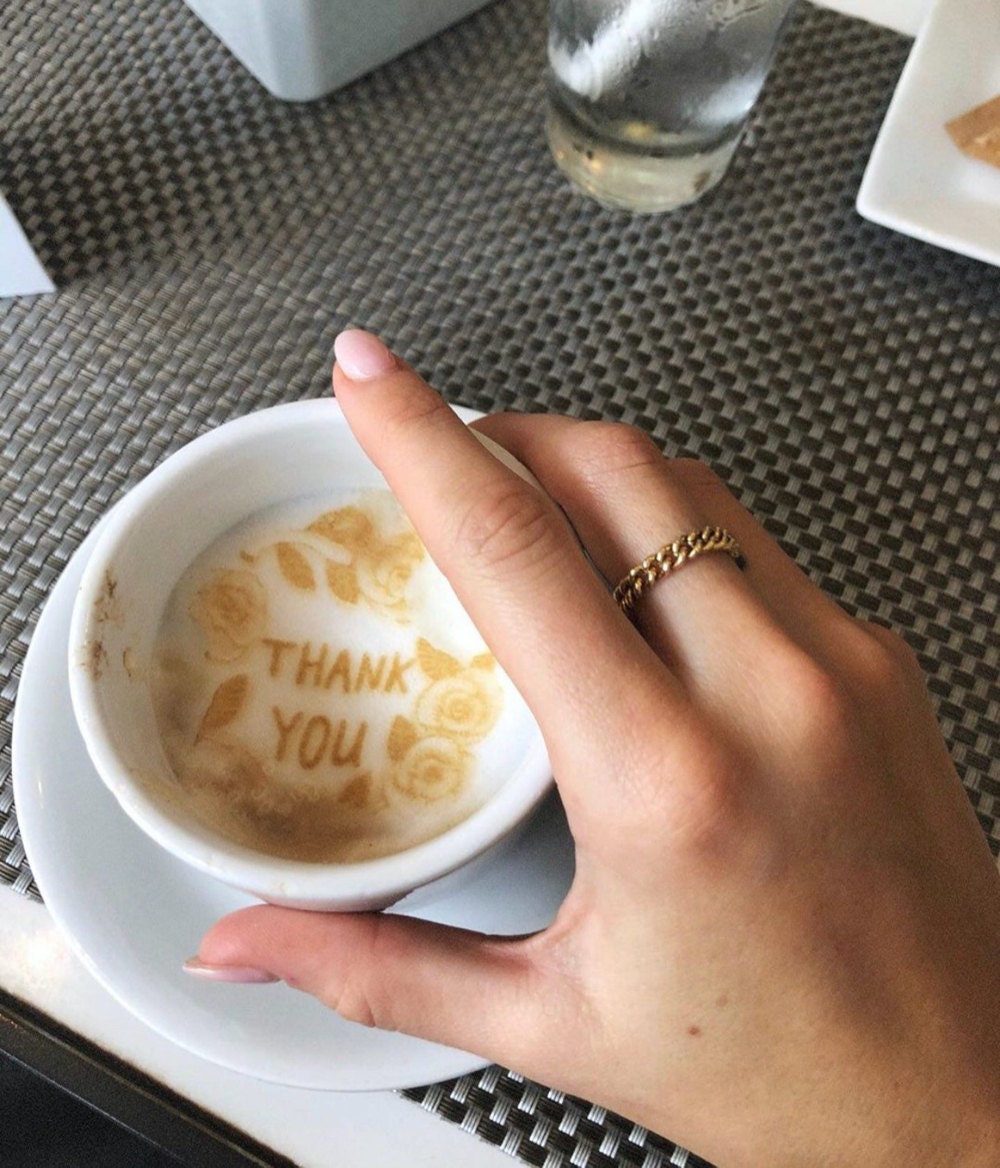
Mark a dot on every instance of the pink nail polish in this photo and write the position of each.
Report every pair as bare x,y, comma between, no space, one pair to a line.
362,356
237,974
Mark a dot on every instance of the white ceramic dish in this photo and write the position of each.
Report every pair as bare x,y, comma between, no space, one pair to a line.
917,180
133,913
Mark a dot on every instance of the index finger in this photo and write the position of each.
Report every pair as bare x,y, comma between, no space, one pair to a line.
505,548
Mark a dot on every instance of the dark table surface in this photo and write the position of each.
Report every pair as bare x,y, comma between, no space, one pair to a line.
44,1126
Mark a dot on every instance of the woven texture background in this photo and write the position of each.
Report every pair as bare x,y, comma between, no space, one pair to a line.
209,242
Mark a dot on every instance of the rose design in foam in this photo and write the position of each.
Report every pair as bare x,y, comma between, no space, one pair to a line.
432,769
464,707
360,563
231,610
453,713
384,572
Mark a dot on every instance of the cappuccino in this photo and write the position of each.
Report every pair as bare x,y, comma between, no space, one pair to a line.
319,691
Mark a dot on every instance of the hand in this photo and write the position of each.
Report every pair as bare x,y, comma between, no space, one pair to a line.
782,943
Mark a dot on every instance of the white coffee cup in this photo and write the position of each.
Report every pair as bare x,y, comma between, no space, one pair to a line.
149,541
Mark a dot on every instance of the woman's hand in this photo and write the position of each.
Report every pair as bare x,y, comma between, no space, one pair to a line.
782,943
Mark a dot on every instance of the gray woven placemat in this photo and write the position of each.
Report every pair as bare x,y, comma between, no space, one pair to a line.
209,242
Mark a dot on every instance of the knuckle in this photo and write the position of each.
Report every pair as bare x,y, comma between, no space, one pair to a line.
701,813
606,449
883,671
352,1002
698,477
689,786
360,991
884,659
814,706
508,524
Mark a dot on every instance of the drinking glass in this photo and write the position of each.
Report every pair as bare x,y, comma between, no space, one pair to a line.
648,99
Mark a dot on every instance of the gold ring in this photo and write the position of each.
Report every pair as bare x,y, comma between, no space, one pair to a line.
670,557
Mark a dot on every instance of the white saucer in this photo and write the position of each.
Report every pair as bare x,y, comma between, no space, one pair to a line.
917,180
133,913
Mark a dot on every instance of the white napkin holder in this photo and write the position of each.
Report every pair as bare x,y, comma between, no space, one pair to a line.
303,49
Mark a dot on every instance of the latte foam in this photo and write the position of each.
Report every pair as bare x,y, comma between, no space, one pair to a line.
320,693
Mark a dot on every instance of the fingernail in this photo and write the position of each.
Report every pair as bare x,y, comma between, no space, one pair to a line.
362,356
238,974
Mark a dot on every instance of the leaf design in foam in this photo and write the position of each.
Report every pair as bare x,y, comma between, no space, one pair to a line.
436,663
295,568
342,580
347,527
225,706
402,735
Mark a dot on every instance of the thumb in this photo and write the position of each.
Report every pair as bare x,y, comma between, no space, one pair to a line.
432,981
